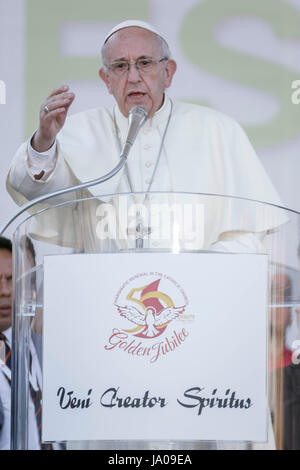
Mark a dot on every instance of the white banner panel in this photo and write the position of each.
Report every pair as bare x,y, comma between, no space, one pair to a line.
155,346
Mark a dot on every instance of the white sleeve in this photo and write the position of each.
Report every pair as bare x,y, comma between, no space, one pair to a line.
23,186
240,242
41,164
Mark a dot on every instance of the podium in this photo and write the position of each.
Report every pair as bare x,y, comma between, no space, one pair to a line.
206,234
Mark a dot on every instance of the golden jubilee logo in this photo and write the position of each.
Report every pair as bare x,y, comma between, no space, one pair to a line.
149,309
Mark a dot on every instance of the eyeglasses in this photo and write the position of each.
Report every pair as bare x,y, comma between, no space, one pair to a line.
144,65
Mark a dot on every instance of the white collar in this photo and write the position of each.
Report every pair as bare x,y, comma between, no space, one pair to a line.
160,117
7,334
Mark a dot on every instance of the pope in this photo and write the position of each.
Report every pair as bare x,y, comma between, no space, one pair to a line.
181,148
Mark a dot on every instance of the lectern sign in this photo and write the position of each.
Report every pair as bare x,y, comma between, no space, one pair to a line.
155,347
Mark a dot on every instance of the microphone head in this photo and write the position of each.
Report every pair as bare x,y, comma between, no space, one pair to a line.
137,117
139,110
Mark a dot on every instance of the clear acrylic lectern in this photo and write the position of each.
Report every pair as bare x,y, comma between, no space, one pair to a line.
165,223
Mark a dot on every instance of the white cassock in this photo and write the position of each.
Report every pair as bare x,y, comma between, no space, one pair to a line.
204,151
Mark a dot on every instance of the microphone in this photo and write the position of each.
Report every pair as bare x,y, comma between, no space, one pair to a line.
137,117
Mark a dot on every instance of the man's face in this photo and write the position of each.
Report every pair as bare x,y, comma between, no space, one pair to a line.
133,88
5,289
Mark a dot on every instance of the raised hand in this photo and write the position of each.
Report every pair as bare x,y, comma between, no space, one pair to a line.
53,114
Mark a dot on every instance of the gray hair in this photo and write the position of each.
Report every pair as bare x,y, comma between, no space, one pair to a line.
164,47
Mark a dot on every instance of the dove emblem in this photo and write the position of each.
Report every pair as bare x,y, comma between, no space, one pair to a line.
146,305
153,324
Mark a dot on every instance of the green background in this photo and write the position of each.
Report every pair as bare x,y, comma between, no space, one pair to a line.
46,67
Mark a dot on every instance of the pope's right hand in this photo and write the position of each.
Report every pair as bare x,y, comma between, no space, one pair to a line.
57,104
